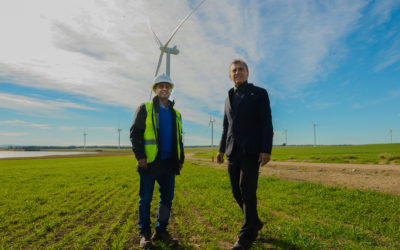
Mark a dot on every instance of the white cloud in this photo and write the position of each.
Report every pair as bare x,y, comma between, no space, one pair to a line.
24,123
67,127
381,11
197,140
389,56
13,134
23,103
318,105
390,95
104,50
358,106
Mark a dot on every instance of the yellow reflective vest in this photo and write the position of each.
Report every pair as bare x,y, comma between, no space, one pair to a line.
150,133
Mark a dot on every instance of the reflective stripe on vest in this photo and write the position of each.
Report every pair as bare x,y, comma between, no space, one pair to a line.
150,133
178,132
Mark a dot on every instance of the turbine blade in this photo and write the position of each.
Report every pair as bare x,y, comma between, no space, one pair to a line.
181,23
159,62
154,35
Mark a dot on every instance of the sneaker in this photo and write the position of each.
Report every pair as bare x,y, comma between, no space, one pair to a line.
164,236
145,241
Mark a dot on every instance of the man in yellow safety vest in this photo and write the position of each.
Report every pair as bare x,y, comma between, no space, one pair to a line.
156,136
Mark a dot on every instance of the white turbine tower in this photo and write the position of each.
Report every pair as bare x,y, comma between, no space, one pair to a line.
168,50
84,139
119,137
212,130
315,134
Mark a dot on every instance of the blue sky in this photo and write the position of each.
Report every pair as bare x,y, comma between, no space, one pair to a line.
70,66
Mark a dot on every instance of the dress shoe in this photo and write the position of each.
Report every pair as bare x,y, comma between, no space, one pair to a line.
164,236
145,241
259,225
242,244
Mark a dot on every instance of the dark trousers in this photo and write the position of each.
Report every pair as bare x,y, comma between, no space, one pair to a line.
166,182
243,174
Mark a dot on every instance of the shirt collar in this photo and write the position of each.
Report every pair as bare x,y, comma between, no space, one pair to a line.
241,87
162,106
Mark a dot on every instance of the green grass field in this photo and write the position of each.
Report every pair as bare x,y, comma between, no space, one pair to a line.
364,154
91,202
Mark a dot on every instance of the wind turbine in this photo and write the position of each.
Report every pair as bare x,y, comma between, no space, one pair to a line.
168,50
84,139
315,134
212,130
119,138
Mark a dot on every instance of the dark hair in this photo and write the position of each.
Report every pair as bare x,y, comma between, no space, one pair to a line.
237,61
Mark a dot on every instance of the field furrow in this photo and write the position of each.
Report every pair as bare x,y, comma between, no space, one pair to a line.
82,215
91,203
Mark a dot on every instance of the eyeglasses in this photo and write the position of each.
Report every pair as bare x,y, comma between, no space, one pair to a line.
163,86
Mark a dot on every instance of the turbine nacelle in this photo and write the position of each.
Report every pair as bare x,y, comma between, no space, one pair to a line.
172,50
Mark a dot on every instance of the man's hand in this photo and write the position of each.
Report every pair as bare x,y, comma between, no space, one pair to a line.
264,158
220,157
143,163
180,166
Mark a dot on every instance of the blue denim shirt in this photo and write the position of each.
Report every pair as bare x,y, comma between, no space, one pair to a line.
165,132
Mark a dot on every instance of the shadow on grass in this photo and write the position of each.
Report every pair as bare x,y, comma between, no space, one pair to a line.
161,245
276,243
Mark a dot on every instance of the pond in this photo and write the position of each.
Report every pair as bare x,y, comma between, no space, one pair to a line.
14,154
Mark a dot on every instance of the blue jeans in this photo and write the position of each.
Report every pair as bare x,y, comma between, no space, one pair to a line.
166,182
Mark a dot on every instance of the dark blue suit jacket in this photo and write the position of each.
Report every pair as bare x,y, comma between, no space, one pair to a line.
249,128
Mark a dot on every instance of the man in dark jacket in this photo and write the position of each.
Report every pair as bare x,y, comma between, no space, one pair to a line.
156,136
247,142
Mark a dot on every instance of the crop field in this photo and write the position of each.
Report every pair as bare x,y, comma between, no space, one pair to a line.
91,202
357,154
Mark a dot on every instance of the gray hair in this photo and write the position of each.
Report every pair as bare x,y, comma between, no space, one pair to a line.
237,61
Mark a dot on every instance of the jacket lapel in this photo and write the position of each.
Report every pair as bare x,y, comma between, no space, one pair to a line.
229,103
243,96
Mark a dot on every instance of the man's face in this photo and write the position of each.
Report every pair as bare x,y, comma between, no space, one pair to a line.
238,73
163,90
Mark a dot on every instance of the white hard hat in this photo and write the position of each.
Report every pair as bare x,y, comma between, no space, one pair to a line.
162,78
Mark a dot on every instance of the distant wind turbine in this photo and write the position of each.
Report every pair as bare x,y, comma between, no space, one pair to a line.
84,139
212,130
119,137
391,135
315,134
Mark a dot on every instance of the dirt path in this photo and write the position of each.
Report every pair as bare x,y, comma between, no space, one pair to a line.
382,178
